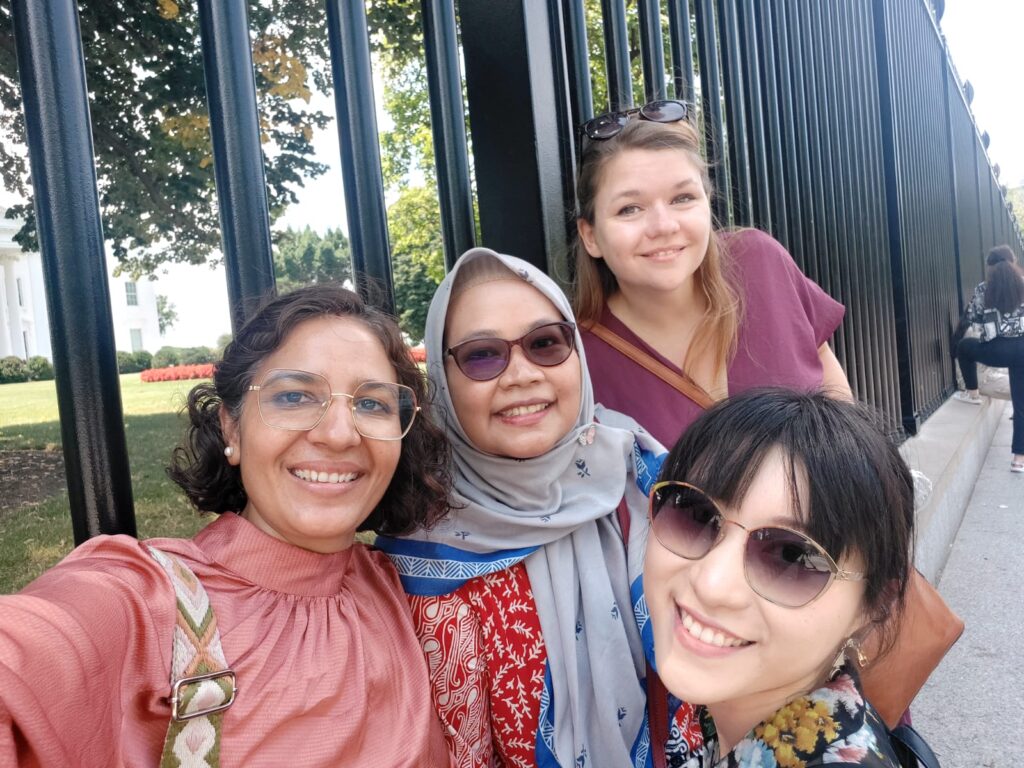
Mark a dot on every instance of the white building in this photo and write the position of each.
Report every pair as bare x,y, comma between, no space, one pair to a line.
24,326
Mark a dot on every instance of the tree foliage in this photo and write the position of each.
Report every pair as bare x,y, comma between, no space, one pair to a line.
166,314
417,259
302,257
150,121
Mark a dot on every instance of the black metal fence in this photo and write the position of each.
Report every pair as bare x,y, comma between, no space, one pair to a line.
839,126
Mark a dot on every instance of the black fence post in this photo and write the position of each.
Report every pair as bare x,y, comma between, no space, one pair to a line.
448,119
360,150
904,356
55,99
616,53
237,154
682,49
652,50
520,119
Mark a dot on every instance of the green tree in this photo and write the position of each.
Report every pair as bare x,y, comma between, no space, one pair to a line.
151,127
417,255
1015,197
166,314
302,257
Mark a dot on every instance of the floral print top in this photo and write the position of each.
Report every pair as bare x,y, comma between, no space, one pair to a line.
833,725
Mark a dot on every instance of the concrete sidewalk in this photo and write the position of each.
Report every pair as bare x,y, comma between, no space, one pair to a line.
971,711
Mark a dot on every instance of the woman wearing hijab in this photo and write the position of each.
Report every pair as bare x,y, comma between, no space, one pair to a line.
527,598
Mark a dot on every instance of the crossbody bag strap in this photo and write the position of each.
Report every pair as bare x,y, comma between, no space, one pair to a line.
683,384
202,683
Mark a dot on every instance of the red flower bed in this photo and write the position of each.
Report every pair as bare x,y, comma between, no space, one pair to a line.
178,372
418,354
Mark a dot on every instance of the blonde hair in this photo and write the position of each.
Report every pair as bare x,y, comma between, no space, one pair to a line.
595,282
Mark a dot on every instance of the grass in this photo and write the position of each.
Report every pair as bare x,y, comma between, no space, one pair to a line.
35,536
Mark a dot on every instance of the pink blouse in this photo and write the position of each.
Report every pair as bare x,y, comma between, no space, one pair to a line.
328,667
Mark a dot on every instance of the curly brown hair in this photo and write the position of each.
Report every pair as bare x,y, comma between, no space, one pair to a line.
418,493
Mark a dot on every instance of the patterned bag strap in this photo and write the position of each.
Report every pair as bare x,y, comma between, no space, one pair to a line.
202,684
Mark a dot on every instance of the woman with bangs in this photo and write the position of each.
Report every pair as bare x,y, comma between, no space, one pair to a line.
782,531
725,311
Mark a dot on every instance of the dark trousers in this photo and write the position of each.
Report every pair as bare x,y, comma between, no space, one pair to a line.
1000,352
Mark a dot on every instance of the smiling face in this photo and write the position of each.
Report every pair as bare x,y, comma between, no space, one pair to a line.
652,220
528,408
718,643
313,488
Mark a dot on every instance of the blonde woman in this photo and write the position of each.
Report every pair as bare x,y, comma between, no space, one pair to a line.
728,311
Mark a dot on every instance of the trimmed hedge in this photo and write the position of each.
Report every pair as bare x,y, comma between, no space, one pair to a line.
133,362
168,356
13,370
39,368
178,372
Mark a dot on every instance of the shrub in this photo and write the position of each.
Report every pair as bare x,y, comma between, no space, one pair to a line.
167,356
39,368
143,360
197,355
178,372
126,362
12,370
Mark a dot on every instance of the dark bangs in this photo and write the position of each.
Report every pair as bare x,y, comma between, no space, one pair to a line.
860,493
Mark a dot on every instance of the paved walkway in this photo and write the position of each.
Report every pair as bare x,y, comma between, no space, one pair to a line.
972,709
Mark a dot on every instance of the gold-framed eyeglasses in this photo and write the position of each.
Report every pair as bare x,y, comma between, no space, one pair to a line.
298,400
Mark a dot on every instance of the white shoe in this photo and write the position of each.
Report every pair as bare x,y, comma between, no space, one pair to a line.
967,397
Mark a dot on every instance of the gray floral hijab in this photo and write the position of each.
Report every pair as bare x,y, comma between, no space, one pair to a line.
556,512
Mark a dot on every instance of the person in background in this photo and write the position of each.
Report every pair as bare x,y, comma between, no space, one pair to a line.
782,530
997,307
293,643
525,598
726,310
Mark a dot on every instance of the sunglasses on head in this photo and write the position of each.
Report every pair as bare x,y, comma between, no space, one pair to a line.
782,565
611,123
484,359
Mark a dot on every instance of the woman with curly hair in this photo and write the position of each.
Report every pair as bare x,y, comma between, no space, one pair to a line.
292,643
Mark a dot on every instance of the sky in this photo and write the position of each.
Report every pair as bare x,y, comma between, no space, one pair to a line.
985,38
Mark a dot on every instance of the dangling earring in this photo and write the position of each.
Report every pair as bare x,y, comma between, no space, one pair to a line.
851,644
229,451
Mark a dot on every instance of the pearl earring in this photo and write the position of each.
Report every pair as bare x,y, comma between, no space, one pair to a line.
229,451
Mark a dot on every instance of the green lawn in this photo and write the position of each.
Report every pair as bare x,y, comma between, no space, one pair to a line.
36,536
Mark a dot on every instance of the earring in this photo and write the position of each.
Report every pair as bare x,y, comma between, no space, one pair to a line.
229,451
851,644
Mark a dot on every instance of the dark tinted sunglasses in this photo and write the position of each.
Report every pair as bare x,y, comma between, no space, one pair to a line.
611,123
784,566
485,359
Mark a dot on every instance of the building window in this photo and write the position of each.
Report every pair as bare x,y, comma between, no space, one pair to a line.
131,293
21,295
136,337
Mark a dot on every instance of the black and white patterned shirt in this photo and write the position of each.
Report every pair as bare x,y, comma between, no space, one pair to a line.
1009,325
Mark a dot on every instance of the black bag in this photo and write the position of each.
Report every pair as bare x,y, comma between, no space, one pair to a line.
912,750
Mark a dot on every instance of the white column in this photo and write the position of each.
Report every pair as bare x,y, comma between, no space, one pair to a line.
5,321
13,310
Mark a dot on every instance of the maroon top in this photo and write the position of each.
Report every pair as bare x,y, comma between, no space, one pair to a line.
786,318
